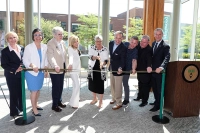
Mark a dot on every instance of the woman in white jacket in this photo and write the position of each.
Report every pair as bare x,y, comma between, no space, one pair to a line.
75,66
35,58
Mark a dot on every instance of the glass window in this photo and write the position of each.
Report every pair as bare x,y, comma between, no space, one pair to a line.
168,8
118,15
2,25
75,27
17,19
197,41
186,23
63,25
2,30
35,14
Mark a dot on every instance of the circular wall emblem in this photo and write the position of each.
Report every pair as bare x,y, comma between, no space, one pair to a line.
190,73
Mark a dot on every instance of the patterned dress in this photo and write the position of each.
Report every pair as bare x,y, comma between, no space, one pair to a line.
97,78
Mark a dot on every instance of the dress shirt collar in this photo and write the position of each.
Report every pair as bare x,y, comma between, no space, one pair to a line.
158,43
11,49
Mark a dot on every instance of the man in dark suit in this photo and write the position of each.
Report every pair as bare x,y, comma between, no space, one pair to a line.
160,59
144,64
117,65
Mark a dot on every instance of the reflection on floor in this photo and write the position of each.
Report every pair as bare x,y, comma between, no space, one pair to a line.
89,118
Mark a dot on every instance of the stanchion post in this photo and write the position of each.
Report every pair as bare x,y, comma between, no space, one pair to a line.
160,118
24,120
23,95
162,95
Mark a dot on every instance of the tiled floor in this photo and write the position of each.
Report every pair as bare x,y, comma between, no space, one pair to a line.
88,118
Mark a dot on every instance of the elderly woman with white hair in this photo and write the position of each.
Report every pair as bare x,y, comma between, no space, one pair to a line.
98,59
57,59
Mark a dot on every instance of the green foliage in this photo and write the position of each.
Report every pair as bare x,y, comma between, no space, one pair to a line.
197,42
186,38
46,26
197,56
186,55
186,35
88,29
21,33
135,28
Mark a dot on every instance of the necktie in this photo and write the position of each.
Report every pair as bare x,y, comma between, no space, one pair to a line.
155,47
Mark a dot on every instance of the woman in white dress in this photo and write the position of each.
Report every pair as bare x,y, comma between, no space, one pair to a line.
74,66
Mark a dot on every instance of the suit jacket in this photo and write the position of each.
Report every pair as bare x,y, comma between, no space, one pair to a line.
161,55
117,58
10,62
144,61
31,56
54,55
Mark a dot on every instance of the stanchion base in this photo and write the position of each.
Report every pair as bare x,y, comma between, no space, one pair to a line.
157,119
21,121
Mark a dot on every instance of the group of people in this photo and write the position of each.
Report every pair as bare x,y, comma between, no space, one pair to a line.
57,59
54,56
138,57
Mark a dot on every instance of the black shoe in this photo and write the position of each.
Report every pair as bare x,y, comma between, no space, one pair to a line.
143,104
15,115
154,109
39,108
62,105
57,109
137,99
152,103
125,102
38,114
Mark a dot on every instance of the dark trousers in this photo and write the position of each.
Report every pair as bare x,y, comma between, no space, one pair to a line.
126,86
15,90
156,85
144,89
139,95
57,88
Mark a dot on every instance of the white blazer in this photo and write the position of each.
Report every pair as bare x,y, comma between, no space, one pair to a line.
31,56
74,59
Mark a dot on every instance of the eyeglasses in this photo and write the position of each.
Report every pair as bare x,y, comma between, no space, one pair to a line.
37,35
60,34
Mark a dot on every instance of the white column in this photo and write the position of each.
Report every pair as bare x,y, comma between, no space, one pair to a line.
105,22
99,5
127,20
175,29
194,29
69,19
8,16
28,20
39,14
